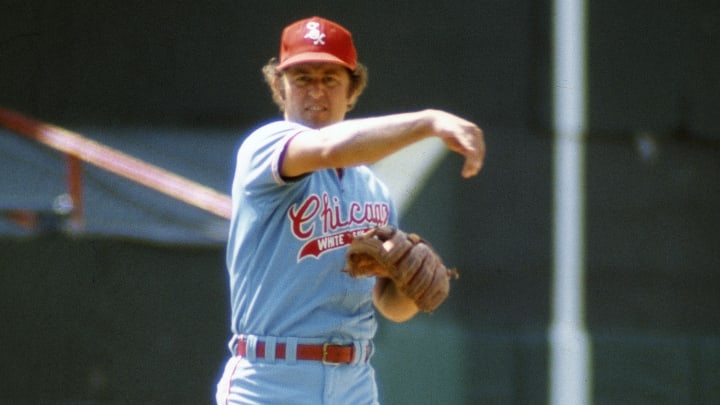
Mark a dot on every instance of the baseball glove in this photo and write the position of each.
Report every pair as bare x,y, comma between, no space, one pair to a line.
406,259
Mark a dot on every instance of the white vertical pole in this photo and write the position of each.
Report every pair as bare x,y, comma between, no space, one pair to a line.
570,375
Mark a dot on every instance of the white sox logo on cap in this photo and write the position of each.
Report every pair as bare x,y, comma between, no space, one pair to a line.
314,33
316,40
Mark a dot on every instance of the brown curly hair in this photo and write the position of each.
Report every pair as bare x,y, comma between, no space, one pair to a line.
358,81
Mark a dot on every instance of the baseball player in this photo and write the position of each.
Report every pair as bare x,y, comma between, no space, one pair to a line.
303,307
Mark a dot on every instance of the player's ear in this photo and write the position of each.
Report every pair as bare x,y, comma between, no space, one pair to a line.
358,82
278,91
279,86
352,100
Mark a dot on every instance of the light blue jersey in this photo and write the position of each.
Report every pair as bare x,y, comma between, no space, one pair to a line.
287,243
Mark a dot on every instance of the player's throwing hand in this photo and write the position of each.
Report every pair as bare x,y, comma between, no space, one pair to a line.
463,137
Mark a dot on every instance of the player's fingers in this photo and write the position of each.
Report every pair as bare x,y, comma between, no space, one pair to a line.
475,159
463,137
472,147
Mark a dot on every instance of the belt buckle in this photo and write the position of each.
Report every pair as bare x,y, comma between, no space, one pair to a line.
324,355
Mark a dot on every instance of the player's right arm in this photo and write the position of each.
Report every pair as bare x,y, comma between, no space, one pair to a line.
365,141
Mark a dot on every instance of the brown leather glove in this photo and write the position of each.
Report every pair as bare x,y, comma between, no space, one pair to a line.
406,259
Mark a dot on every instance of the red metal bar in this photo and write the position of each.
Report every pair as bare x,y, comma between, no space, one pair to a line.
75,182
119,163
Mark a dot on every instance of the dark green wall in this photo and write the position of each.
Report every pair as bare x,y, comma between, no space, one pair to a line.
198,63
110,320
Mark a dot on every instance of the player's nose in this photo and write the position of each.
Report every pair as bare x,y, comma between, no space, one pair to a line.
316,89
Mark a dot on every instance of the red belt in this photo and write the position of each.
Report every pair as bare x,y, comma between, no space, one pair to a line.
327,353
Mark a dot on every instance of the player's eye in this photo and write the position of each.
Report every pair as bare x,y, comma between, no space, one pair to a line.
302,81
330,81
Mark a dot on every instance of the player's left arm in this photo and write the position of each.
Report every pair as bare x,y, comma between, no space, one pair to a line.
391,302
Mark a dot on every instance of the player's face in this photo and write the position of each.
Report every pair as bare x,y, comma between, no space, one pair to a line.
316,95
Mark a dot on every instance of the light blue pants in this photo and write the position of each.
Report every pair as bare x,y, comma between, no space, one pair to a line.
296,382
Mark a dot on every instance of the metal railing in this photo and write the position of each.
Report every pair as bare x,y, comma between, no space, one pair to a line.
79,149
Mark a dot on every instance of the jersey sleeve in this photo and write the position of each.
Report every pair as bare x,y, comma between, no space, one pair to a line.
260,156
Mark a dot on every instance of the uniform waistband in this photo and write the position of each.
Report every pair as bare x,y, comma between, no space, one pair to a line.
290,350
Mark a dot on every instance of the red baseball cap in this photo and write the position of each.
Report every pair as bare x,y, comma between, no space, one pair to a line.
316,39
